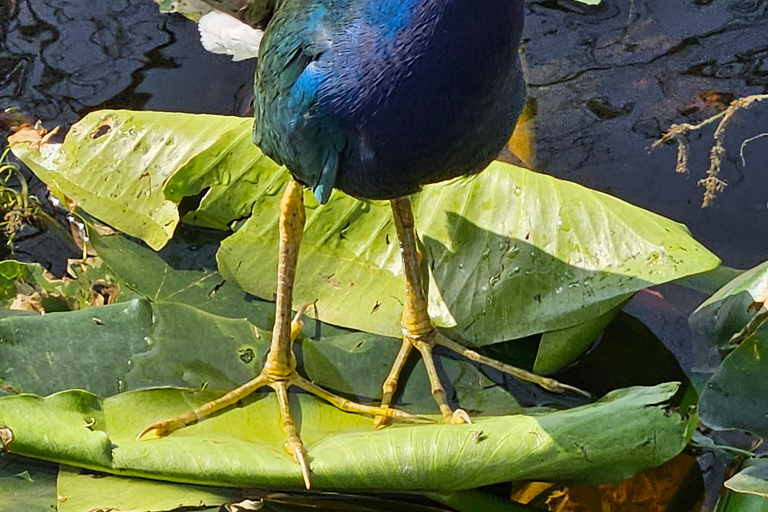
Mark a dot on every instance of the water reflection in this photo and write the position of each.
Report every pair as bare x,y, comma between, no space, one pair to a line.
608,80
61,57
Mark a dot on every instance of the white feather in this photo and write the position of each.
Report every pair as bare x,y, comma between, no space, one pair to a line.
225,34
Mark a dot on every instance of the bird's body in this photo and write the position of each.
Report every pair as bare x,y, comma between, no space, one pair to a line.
379,97
375,98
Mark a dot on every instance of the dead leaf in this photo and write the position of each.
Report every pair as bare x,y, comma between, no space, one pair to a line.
6,436
27,298
649,491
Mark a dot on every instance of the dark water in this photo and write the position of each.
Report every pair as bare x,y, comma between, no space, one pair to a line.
60,59
609,80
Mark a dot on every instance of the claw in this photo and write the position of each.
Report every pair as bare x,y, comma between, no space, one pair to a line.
297,324
559,387
460,416
300,456
381,421
160,429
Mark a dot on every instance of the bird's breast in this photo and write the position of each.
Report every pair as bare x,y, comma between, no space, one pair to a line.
404,92
426,95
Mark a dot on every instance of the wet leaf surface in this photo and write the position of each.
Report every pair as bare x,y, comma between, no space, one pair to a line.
27,485
511,252
734,396
83,491
181,333
623,433
752,480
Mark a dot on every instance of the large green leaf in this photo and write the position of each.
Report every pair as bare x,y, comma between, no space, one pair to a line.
81,491
27,485
626,431
741,502
191,329
87,491
752,480
115,163
511,252
736,394
91,349
729,309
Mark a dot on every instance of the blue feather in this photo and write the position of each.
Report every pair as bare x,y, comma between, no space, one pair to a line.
379,97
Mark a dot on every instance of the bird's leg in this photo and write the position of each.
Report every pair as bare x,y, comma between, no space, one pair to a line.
419,332
279,371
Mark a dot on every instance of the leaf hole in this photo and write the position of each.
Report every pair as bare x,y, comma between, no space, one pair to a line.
104,128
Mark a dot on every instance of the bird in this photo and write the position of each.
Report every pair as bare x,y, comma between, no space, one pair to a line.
375,98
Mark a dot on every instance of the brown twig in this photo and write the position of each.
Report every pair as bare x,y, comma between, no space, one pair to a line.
712,184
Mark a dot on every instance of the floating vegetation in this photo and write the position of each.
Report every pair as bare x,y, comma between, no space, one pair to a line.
17,206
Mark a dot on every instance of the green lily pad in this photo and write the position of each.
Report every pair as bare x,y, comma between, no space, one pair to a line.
89,349
741,502
734,396
27,485
511,252
210,338
729,309
82,491
623,433
752,480
88,491
502,265
135,153
191,329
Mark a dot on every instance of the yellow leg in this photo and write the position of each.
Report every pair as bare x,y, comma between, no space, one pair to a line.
419,332
293,444
279,371
390,384
438,391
